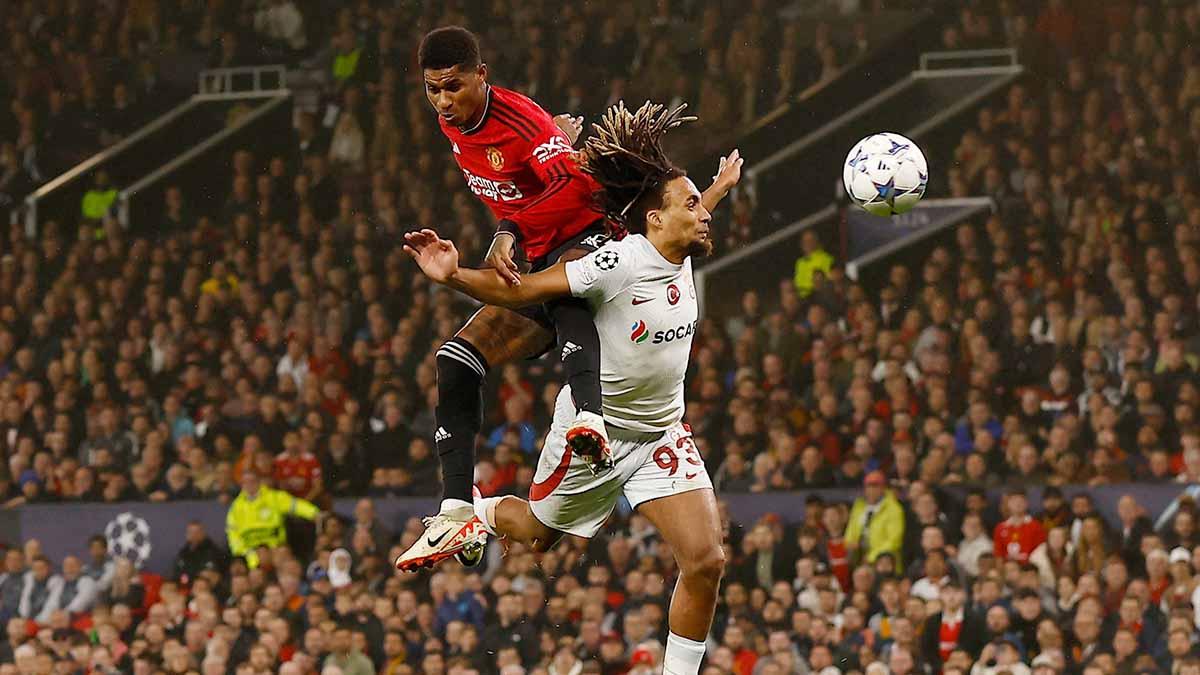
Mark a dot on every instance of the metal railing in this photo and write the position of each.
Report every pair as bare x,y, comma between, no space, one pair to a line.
85,167
767,243
125,196
1011,69
971,207
217,84
982,58
764,249
797,146
242,82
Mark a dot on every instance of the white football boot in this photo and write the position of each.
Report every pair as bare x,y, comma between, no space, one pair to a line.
447,534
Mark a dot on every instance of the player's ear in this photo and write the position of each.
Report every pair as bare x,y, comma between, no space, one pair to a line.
482,71
653,216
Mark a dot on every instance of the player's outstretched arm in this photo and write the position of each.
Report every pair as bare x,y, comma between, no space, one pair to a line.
728,174
438,259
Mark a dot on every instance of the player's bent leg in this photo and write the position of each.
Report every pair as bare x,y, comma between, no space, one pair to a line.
503,335
493,336
579,350
690,525
512,517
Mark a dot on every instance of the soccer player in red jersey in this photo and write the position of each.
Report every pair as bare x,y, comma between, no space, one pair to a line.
522,166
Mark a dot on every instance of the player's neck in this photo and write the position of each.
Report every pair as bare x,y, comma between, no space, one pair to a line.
477,116
670,252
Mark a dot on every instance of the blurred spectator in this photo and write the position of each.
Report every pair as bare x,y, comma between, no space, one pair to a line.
98,200
1020,534
256,518
876,525
12,583
814,260
79,592
198,554
42,591
516,427
296,470
345,657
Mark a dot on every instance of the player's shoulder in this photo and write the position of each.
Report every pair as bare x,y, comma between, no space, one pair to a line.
628,244
520,113
626,252
514,101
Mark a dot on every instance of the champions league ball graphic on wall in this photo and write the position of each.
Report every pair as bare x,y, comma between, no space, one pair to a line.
129,537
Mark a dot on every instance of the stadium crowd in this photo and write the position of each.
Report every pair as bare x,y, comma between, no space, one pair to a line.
286,336
80,76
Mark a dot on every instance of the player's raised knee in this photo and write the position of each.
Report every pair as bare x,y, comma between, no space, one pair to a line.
457,354
707,563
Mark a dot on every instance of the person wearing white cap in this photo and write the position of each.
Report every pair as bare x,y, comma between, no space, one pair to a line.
339,568
1182,556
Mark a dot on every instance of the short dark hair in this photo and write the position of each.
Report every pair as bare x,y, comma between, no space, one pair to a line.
447,47
1026,593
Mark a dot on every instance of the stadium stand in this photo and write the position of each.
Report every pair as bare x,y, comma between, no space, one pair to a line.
1054,344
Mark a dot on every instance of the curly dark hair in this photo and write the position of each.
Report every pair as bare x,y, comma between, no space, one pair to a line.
447,47
626,158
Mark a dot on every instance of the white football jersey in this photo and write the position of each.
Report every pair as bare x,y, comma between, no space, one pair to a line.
646,314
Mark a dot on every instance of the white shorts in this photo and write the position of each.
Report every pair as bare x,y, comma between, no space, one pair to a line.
568,497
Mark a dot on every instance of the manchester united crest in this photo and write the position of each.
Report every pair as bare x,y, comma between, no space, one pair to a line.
495,158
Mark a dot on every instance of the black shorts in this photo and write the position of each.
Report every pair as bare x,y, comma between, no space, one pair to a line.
591,238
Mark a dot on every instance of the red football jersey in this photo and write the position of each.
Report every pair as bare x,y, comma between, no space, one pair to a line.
297,474
1016,539
523,167
839,561
948,635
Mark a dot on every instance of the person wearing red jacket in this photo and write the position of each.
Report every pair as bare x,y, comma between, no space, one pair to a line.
1016,537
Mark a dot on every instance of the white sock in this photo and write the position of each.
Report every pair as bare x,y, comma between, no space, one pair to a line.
683,656
452,504
485,511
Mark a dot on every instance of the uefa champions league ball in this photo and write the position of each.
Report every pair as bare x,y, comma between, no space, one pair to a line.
885,174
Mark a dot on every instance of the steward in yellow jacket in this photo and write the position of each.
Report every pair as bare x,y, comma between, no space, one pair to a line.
876,523
256,518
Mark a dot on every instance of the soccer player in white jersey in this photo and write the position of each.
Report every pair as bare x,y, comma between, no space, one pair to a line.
641,291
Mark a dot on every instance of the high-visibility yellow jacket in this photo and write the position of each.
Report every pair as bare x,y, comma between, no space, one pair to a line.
806,266
97,202
345,65
885,530
252,523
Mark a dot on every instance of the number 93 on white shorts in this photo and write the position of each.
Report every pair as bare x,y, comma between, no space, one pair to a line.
568,497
